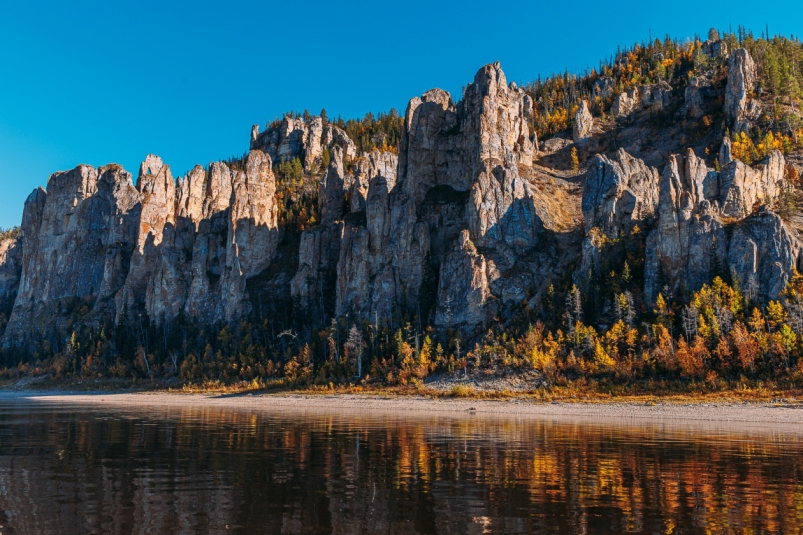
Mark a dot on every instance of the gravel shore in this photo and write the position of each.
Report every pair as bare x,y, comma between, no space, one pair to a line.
789,413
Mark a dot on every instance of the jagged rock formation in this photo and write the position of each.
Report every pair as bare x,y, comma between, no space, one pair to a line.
763,255
689,244
79,237
157,193
458,170
169,287
464,295
253,233
209,249
688,233
96,240
368,166
625,103
333,188
741,188
583,123
236,238
699,91
655,96
318,253
305,139
459,228
555,144
619,193
715,48
740,109
10,267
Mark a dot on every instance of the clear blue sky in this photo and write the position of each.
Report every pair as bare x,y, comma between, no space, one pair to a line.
107,81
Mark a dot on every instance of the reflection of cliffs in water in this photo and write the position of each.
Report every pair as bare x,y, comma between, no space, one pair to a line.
200,470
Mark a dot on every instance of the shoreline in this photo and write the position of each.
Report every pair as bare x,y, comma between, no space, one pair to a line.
747,413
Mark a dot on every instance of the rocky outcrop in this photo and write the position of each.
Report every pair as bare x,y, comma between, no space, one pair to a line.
653,96
501,211
223,231
555,144
253,232
619,193
386,236
464,296
332,136
625,103
739,108
235,240
157,194
79,236
458,229
763,256
458,170
354,273
689,239
657,96
688,246
698,93
715,48
332,191
583,123
253,228
365,280
368,166
303,139
742,189
318,254
210,246
10,269
169,287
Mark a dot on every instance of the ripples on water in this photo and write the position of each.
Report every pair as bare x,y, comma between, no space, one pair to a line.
213,470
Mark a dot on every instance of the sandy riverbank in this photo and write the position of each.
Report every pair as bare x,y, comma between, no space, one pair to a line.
789,412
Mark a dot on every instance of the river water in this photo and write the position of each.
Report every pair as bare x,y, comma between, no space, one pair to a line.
205,469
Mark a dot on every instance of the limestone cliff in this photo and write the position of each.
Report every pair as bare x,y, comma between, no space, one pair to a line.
619,193
689,241
460,228
303,139
458,172
10,266
740,109
79,236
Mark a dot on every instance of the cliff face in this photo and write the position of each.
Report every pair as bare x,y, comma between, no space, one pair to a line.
10,266
95,240
620,192
222,237
460,228
458,177
78,238
297,138
740,109
690,240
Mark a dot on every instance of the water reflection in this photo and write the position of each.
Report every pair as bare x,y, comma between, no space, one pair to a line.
211,470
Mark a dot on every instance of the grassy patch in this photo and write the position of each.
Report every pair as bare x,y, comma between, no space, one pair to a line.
463,391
